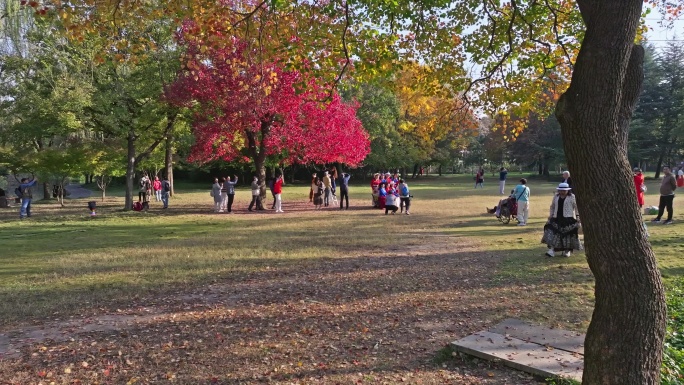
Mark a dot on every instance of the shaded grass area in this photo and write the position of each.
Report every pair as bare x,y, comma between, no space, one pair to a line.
324,296
62,260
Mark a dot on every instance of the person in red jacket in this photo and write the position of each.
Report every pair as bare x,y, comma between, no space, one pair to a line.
639,184
278,191
156,186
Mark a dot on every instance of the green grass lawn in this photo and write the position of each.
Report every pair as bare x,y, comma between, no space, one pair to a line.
308,296
64,261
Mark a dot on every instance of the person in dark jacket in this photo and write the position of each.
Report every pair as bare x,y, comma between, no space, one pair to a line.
667,189
344,189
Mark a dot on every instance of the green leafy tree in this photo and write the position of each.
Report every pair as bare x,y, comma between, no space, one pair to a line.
43,95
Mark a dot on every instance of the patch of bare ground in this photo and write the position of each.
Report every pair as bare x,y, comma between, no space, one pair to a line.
381,317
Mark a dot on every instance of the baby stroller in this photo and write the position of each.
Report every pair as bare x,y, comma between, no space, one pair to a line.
508,211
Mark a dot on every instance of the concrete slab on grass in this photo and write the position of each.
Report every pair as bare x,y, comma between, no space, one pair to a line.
535,352
560,339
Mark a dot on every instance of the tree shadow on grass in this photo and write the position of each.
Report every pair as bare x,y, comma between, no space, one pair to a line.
323,320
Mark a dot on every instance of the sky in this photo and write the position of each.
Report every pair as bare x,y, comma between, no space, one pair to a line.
659,35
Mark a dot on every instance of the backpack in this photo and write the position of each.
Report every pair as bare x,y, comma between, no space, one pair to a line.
18,192
166,186
137,206
404,190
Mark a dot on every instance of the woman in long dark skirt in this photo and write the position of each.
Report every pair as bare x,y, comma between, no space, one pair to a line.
561,230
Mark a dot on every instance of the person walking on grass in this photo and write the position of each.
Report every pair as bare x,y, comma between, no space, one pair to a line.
344,190
479,178
165,192
224,195
503,173
561,230
278,191
667,189
522,196
156,186
404,196
216,193
256,194
25,192
230,191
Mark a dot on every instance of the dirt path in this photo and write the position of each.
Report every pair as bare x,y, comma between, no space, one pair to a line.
371,319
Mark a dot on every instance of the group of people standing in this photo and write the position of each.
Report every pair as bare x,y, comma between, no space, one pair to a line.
323,190
391,193
223,192
160,188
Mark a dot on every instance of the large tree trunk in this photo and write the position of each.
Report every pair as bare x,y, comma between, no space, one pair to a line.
130,171
168,160
625,338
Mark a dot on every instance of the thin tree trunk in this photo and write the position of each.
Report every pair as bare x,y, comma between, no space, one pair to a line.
625,338
60,192
130,171
660,163
258,154
47,194
168,160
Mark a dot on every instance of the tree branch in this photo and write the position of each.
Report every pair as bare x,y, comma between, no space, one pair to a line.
347,23
169,126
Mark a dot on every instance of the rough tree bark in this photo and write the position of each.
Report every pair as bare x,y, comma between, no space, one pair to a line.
625,338
130,170
258,154
168,160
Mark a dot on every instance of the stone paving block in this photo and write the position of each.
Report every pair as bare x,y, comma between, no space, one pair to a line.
525,356
560,339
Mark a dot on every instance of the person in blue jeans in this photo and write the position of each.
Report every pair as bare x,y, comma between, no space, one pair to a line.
26,196
165,192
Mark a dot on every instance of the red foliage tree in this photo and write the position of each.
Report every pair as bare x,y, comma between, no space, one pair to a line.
250,109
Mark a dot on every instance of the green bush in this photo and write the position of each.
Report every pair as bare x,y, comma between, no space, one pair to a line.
673,354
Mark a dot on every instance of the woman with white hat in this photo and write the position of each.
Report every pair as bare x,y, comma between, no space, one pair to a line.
561,230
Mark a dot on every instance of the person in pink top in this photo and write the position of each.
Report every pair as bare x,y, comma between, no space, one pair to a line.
639,184
278,191
157,187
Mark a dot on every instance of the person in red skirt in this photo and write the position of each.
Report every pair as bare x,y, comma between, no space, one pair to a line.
640,186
